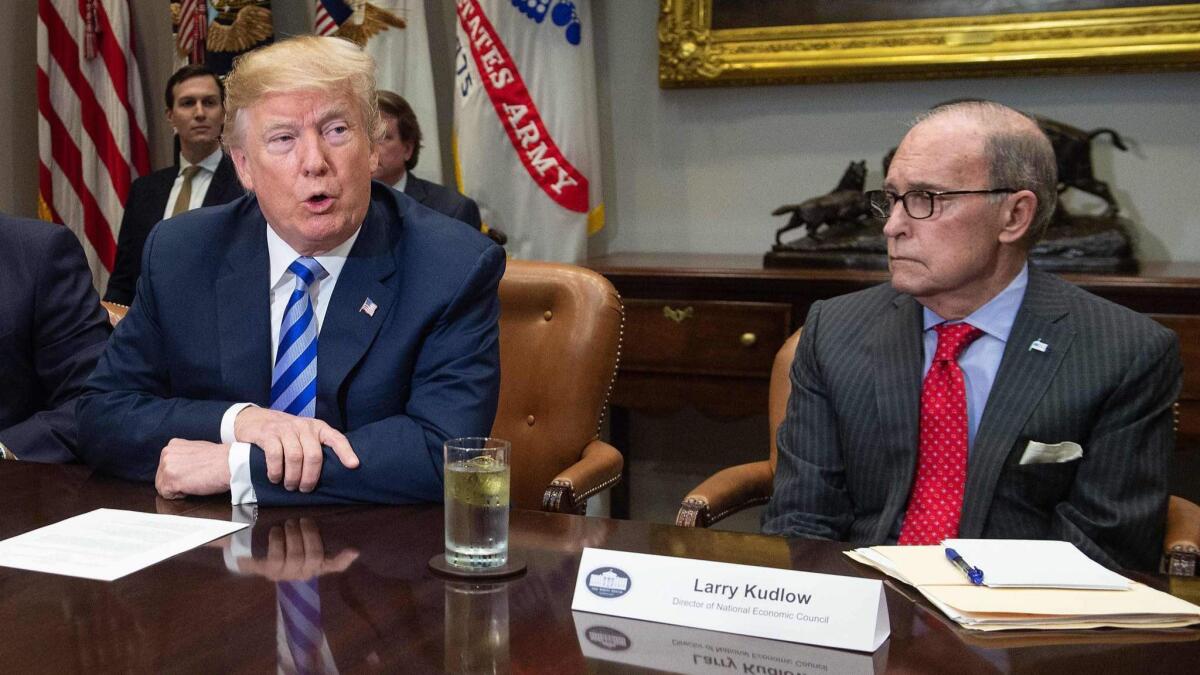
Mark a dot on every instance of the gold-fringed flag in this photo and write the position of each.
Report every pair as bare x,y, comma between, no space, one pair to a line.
526,143
215,32
91,122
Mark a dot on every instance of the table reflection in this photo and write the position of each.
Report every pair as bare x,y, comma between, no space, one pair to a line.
295,551
476,627
679,649
295,558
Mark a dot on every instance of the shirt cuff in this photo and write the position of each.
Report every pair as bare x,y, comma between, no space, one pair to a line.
241,487
240,542
227,435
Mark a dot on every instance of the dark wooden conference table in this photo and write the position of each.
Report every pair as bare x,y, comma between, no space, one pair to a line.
381,610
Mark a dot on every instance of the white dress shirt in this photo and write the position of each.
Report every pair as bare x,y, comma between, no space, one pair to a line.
282,283
200,182
399,185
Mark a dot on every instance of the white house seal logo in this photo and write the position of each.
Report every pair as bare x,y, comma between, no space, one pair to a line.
608,582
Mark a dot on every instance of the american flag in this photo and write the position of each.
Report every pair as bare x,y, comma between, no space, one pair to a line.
193,29
329,15
91,122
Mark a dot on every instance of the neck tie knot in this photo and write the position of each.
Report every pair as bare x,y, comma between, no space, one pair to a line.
307,271
953,338
190,172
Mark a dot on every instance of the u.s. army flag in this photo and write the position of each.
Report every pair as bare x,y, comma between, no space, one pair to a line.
526,144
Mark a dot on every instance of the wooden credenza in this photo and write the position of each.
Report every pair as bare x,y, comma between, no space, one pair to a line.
702,330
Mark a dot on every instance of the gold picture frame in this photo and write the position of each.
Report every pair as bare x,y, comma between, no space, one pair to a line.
693,54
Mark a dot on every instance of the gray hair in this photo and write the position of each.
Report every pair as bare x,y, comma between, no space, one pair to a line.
1018,153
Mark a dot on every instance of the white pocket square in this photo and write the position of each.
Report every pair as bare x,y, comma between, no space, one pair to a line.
1051,453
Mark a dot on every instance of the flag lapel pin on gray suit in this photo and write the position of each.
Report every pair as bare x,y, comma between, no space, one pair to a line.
1038,345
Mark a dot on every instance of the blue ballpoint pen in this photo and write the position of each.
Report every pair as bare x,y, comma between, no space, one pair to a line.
973,573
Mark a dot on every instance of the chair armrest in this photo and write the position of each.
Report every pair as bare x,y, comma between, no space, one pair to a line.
725,493
599,469
116,311
1181,545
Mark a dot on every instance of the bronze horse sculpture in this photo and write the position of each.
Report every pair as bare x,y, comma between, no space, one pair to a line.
845,204
1073,154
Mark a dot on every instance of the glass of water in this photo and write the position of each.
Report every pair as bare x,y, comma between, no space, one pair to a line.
476,502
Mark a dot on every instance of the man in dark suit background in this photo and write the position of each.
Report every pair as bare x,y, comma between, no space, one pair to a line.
398,154
204,176
52,330
1054,419
379,315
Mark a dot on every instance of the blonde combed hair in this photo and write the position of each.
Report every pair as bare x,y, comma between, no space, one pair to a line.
304,63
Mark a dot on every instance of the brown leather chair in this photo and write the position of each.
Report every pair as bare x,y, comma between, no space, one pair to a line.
739,487
731,490
115,311
560,340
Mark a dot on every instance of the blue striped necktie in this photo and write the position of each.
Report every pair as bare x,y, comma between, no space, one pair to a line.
294,379
294,391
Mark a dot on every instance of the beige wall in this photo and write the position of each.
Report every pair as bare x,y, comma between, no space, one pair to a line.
700,170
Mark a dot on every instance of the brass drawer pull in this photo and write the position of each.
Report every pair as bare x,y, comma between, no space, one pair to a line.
678,315
748,339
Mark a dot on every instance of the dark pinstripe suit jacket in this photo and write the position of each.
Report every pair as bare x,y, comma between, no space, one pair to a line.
444,200
848,445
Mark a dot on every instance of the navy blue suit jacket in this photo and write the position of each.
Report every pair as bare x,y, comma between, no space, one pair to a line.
425,367
52,330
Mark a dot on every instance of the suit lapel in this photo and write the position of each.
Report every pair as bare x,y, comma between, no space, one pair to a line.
164,180
224,186
1020,383
347,330
897,356
244,312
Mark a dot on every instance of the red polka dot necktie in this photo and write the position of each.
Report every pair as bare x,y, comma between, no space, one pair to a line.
935,506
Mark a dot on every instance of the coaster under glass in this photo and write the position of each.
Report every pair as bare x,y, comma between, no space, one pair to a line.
514,566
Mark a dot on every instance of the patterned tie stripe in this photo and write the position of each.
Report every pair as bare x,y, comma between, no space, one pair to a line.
935,506
300,607
294,379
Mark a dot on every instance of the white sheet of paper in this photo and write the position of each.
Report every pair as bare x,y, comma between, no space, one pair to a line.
107,544
1035,564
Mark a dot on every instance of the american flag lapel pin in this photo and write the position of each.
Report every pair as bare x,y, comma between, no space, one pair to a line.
368,307
1038,346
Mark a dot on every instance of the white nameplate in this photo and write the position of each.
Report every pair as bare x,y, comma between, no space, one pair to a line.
818,609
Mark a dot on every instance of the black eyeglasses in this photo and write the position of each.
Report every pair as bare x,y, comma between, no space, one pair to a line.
918,204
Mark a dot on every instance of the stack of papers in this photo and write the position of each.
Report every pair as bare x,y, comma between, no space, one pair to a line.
1028,585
